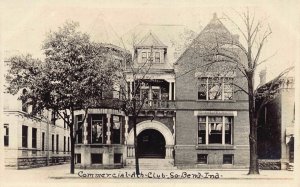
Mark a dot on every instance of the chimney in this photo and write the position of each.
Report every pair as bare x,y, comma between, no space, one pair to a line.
215,16
262,76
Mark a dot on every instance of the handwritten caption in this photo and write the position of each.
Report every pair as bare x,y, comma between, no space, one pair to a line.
152,175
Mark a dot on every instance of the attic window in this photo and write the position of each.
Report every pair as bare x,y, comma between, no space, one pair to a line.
157,57
144,57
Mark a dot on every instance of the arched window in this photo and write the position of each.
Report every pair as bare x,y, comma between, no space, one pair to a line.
24,101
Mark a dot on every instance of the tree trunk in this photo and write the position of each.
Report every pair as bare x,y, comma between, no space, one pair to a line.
72,164
254,168
73,138
137,167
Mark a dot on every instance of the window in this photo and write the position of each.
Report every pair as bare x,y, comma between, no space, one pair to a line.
6,135
202,130
68,144
228,126
53,117
57,143
215,88
52,143
64,144
97,129
34,130
144,57
157,57
117,158
43,141
116,132
228,159
150,57
24,136
202,158
77,158
96,158
215,129
79,128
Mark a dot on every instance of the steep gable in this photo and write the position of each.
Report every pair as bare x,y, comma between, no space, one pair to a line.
151,40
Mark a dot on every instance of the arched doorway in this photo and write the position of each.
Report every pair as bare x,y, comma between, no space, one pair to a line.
151,144
151,125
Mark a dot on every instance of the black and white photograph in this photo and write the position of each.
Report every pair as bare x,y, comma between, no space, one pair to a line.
149,93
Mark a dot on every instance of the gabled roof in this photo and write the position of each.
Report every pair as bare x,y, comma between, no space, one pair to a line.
151,40
209,34
175,37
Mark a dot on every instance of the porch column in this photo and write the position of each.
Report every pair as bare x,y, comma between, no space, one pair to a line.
174,90
170,90
85,131
126,129
108,133
130,90
223,131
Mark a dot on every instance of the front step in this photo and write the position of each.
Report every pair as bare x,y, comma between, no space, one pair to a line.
151,164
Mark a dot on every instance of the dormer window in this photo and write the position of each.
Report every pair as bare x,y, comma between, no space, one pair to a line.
157,57
144,57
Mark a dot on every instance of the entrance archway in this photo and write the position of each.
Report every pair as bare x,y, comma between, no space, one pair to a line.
158,127
151,144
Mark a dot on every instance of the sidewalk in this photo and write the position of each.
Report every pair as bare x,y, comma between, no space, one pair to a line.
61,172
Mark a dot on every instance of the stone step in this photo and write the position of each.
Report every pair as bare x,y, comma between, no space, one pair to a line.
151,163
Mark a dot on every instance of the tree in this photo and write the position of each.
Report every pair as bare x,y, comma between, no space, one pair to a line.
130,95
73,76
222,52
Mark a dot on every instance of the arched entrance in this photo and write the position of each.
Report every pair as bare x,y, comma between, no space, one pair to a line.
157,129
151,144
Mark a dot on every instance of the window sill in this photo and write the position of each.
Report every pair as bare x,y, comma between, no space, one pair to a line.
216,147
217,101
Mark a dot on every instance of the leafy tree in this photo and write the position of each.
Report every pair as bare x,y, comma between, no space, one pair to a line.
73,76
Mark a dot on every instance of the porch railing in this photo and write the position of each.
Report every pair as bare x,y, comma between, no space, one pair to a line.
159,104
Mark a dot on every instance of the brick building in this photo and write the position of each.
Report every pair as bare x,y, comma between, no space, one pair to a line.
192,117
181,124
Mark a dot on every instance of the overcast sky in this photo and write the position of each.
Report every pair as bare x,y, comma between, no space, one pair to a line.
25,23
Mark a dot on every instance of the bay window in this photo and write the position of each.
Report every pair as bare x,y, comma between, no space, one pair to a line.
215,88
79,127
98,129
116,130
215,129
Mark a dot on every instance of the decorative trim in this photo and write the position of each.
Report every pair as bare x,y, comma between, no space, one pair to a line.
214,113
165,131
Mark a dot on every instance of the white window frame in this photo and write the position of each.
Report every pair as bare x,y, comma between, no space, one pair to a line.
207,89
207,131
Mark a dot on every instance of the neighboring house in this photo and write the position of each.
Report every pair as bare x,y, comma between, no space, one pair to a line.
276,126
32,141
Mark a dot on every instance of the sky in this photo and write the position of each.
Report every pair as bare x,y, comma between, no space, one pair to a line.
24,24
